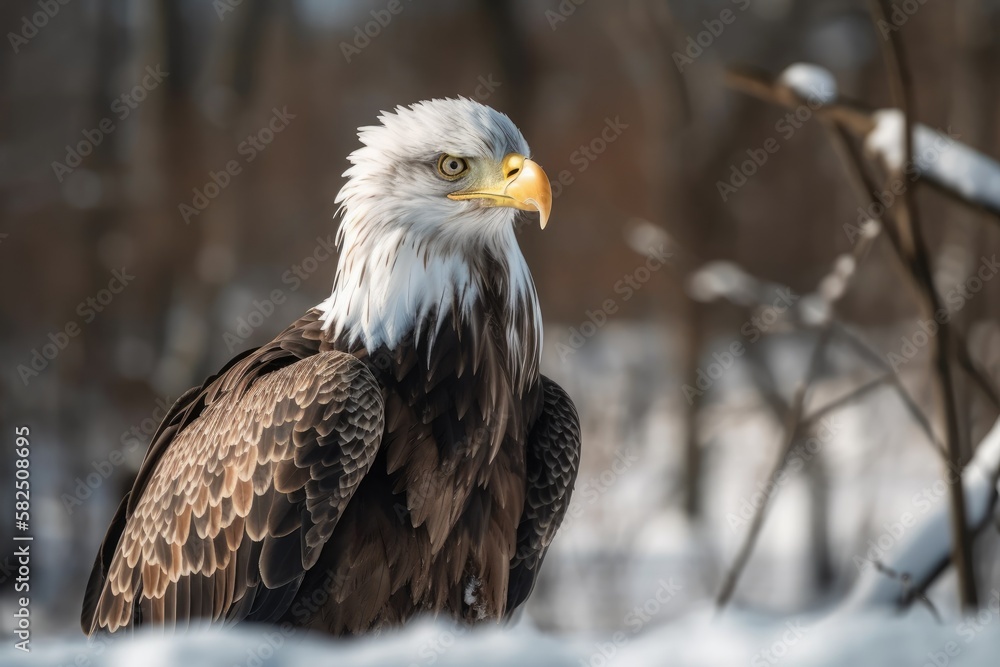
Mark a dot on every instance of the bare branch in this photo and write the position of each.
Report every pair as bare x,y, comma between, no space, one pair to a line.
855,120
865,350
793,424
849,397
915,250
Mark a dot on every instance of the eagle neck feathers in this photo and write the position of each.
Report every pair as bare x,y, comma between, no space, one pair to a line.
397,287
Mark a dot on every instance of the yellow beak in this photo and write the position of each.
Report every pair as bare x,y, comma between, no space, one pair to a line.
523,185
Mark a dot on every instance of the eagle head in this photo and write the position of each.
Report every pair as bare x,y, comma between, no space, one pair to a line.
428,225
451,168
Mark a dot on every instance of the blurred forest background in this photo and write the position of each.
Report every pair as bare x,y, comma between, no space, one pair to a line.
118,115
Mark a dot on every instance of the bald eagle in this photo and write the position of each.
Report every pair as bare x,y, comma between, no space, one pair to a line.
395,451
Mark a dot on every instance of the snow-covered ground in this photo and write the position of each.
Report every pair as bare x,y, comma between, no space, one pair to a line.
698,639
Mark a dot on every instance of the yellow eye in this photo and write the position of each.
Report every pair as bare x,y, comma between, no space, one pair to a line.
452,167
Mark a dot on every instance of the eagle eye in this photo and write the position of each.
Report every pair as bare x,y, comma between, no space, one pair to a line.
451,167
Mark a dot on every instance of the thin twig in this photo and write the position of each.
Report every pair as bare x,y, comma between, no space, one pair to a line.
867,351
844,120
988,518
920,589
977,374
793,422
915,249
978,205
864,186
849,397
844,111
849,115
908,591
842,116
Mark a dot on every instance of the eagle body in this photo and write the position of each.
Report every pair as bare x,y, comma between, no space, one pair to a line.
396,450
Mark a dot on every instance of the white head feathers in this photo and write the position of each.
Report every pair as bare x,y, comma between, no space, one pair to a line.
408,252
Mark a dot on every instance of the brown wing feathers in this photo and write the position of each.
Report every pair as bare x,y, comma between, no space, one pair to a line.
240,505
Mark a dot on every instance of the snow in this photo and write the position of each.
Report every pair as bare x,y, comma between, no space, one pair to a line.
958,167
832,287
885,140
917,550
810,82
938,157
643,236
698,639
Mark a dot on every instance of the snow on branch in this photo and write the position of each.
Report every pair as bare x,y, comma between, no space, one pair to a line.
938,158
725,280
810,82
924,551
